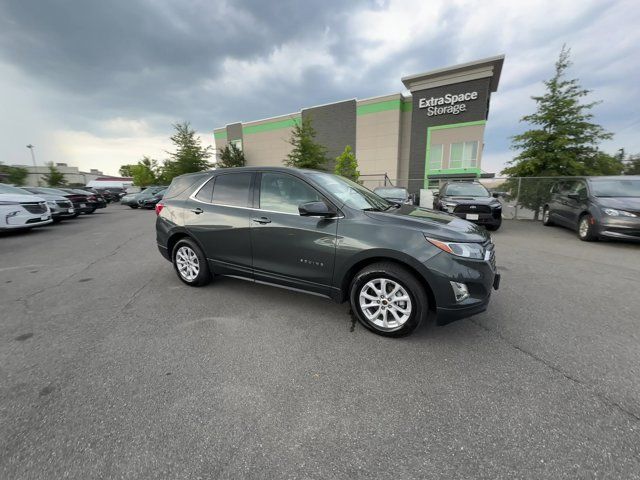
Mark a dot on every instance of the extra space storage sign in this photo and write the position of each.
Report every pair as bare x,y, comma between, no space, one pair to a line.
448,104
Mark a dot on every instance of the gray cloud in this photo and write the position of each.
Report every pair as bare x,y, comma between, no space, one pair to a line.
215,62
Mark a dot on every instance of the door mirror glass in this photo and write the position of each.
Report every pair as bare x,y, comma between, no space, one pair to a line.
436,194
315,209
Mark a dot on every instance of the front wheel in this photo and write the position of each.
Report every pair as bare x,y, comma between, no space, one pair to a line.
388,299
494,226
190,263
586,228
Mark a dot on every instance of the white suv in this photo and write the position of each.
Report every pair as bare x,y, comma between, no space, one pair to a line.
22,211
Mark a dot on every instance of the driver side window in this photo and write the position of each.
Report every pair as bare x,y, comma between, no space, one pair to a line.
280,192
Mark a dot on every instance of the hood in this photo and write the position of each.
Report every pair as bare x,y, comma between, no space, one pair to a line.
629,204
471,200
432,223
52,197
10,197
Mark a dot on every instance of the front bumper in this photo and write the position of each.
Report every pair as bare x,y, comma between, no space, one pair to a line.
623,228
494,218
481,278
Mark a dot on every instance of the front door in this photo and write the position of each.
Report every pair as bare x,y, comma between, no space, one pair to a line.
290,249
219,219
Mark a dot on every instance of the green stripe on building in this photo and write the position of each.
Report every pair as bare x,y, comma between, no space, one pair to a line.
378,107
220,135
406,106
269,126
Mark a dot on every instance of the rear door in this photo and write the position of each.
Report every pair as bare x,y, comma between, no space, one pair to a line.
575,206
218,216
288,248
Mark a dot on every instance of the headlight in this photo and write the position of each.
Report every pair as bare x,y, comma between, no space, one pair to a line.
617,213
52,204
466,250
448,207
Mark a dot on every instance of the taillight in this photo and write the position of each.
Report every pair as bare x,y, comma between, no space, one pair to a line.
159,207
91,198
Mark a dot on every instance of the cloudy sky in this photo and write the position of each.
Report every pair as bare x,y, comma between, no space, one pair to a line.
98,84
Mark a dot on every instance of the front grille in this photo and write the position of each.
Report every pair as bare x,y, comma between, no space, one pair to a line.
472,209
34,207
64,203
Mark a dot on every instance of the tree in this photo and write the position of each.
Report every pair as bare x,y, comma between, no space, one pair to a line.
306,152
14,175
632,165
231,156
347,165
190,156
145,172
55,178
125,170
564,140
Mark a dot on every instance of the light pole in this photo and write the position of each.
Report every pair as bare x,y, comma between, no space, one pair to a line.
33,157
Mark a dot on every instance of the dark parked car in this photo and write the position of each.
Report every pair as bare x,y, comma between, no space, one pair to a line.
471,201
151,202
80,201
596,207
394,194
321,233
94,200
134,200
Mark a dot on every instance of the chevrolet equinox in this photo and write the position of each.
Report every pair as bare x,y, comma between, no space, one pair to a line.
321,233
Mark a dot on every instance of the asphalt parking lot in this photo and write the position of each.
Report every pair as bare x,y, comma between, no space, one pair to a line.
112,368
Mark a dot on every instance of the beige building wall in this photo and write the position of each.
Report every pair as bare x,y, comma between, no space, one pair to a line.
266,142
447,136
405,147
378,135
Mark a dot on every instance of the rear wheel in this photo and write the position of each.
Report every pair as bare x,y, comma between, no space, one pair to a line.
388,300
586,228
133,206
546,217
190,263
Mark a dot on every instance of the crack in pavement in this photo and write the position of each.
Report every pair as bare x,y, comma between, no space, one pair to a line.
26,298
608,401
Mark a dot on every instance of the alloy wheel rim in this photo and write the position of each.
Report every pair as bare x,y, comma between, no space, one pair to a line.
584,227
385,304
187,263
545,215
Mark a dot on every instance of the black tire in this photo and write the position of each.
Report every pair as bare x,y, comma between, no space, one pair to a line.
91,211
204,275
586,228
546,217
133,206
401,276
56,220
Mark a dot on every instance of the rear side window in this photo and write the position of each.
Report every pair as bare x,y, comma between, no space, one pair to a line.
205,193
232,189
182,183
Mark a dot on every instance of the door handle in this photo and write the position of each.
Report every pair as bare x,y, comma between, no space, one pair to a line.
197,210
261,220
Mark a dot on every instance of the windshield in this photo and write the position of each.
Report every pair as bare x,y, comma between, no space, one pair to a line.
616,187
466,190
352,194
14,190
50,191
391,192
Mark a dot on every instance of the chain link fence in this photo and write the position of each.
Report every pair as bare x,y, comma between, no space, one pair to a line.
521,197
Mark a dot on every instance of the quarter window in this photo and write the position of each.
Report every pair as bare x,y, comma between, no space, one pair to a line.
232,189
205,193
284,193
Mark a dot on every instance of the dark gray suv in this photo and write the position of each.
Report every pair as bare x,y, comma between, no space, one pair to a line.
323,234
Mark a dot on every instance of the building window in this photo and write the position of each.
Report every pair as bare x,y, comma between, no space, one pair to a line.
237,143
435,157
464,155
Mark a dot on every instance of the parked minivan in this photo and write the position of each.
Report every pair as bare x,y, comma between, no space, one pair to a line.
321,233
596,207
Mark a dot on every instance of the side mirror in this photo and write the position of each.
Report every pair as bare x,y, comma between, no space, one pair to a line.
436,194
495,195
315,209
